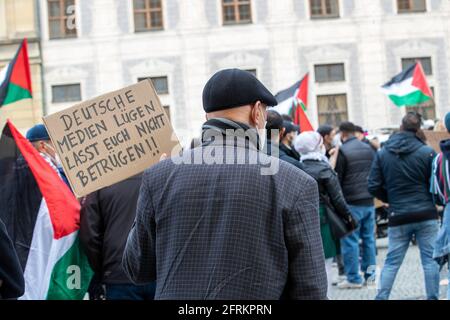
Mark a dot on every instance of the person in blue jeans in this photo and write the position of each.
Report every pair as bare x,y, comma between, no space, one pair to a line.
351,249
442,248
399,240
353,167
440,189
400,176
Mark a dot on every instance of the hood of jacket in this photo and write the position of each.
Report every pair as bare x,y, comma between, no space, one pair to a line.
403,143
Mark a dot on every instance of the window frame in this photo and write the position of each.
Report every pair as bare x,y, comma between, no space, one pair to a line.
235,4
419,58
411,5
62,18
324,15
329,65
156,77
347,111
148,12
52,86
424,106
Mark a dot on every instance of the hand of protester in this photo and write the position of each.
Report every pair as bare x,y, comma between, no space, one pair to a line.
163,157
333,156
333,151
351,222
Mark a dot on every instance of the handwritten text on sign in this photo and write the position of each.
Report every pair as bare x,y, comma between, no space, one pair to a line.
108,139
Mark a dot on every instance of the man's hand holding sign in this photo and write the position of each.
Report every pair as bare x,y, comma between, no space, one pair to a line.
109,138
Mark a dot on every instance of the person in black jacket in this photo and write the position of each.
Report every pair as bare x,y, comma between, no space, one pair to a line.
107,216
290,131
400,177
275,130
328,133
353,167
228,228
12,283
315,163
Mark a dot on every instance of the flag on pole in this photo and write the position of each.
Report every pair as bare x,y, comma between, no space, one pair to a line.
294,102
15,78
42,218
409,88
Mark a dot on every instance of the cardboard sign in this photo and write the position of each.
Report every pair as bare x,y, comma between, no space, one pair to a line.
111,138
435,137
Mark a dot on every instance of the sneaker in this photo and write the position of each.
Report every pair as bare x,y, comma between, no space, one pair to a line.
338,280
349,285
370,281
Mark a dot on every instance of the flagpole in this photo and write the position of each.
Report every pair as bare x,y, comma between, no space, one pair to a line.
33,112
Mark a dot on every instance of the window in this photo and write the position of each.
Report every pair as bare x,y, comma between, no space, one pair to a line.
160,83
426,64
236,11
66,93
147,15
407,6
332,109
324,8
426,109
329,72
61,19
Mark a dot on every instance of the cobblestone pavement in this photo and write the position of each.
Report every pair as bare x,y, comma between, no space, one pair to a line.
409,284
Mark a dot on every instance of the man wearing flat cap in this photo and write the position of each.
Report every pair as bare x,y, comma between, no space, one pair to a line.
287,141
224,228
39,138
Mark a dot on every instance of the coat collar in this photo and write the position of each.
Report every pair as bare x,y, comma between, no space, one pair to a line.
221,131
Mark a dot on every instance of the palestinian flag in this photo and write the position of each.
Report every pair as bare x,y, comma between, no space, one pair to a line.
293,101
15,78
409,87
42,218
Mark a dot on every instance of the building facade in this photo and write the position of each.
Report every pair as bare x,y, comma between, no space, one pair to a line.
18,20
349,47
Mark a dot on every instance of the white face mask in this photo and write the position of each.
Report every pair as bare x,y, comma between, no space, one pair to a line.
262,133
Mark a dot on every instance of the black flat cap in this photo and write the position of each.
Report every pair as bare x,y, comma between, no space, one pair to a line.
290,127
231,88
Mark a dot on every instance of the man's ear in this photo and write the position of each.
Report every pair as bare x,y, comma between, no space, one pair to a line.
282,133
258,116
254,112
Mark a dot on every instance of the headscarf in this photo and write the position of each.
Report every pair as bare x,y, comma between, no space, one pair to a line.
310,146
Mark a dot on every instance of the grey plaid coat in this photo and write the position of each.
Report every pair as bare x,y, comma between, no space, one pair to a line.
224,231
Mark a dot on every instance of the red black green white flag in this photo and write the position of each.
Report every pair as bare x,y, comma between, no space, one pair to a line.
293,101
15,78
408,88
42,218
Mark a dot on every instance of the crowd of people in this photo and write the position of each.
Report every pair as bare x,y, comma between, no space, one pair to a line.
406,175
219,231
